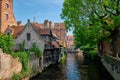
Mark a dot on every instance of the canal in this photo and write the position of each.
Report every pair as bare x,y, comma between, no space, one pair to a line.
75,67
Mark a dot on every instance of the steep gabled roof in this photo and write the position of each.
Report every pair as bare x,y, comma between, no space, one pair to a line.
39,28
16,30
37,25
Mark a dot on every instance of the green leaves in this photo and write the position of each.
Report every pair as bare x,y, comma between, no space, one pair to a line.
24,59
6,43
116,20
35,49
22,46
92,21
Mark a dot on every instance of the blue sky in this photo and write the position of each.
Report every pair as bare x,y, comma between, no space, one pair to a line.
38,10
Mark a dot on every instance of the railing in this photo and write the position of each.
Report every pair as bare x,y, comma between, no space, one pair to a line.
113,62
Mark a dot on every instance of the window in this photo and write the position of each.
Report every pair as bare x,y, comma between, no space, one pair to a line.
28,36
44,37
6,5
6,16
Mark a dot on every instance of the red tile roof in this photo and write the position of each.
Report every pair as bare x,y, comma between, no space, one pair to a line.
16,30
55,44
39,28
37,25
59,26
58,30
44,31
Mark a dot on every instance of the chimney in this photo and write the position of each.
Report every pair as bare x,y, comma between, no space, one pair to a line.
46,24
19,23
28,20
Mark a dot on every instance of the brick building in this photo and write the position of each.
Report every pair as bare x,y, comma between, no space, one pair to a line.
70,41
6,15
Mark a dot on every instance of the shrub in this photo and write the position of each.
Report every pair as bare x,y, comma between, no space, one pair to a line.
15,77
24,59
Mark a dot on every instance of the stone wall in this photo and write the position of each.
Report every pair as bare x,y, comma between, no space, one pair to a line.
35,63
8,65
112,64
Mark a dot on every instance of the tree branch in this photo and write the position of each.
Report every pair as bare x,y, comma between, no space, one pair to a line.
105,7
100,17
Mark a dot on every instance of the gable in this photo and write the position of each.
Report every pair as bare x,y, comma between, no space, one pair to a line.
30,36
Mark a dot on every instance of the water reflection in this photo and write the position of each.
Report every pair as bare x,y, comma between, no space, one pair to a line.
75,67
71,67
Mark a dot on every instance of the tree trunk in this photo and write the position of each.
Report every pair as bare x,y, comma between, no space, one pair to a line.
115,42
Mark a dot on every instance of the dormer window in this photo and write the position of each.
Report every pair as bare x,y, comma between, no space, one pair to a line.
28,36
6,5
6,16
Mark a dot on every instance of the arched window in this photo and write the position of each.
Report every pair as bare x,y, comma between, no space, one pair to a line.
28,36
6,16
6,5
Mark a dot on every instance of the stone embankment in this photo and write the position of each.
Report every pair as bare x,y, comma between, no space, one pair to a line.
8,65
112,65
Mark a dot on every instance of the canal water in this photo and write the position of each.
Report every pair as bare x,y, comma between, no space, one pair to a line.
75,67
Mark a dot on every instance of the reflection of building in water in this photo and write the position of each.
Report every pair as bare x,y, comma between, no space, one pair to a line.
72,68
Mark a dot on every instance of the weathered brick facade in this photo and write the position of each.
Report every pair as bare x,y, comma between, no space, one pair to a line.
6,15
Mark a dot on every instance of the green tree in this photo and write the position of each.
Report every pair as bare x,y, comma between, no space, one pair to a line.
24,59
36,49
6,43
88,16
22,46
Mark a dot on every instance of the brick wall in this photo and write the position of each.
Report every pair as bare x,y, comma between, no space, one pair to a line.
8,65
6,11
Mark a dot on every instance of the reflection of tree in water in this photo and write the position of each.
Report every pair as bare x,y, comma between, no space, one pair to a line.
82,67
53,72
90,70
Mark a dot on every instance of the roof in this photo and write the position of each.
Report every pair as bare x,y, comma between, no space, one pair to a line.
37,25
44,31
59,26
16,30
70,36
58,30
39,28
55,44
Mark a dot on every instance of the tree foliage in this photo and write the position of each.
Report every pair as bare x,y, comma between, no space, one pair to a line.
22,46
24,59
36,49
6,43
92,21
